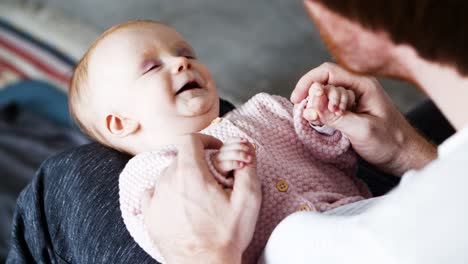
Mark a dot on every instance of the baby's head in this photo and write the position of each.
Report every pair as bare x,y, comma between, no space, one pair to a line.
140,86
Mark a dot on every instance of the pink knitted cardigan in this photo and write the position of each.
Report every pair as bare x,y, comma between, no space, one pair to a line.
299,168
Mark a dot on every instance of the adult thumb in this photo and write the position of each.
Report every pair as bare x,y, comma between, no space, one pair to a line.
351,124
246,185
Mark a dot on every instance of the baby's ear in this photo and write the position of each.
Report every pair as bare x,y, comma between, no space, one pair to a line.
121,126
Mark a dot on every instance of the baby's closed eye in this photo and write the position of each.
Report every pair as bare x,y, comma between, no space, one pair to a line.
151,65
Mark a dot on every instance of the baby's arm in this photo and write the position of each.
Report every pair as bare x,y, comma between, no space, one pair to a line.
327,104
313,120
234,154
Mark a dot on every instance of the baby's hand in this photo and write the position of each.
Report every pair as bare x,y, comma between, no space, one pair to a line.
327,103
234,154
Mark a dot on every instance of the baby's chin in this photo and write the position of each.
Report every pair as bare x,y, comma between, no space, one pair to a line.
195,103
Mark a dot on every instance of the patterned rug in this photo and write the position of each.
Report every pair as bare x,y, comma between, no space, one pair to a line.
24,57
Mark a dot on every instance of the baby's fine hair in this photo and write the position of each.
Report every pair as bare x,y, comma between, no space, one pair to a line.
79,90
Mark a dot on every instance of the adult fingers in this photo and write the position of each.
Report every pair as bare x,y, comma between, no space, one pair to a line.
245,212
351,99
190,170
328,73
191,150
207,141
246,198
146,199
246,185
354,126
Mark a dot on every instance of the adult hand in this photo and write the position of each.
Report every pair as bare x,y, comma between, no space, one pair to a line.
376,129
192,219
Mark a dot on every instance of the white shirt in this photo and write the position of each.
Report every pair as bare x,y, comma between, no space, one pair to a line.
423,220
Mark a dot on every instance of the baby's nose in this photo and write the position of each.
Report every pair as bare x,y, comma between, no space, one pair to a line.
180,65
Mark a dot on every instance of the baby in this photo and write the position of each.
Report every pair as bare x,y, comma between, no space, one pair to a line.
140,88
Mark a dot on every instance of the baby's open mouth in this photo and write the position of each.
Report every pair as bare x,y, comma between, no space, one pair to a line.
189,86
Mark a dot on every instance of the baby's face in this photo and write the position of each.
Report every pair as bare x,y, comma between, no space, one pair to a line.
148,73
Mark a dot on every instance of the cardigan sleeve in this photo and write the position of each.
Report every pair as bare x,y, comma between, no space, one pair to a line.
326,144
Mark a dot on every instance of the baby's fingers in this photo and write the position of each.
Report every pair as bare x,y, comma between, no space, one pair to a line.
333,94
234,140
226,161
339,99
234,155
315,92
343,99
243,146
224,167
317,103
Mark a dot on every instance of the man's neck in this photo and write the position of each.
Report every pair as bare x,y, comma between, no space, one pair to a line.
442,83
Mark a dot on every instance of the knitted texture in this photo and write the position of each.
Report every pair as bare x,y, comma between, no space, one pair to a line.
299,168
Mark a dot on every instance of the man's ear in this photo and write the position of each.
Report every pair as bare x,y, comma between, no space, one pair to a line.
121,126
